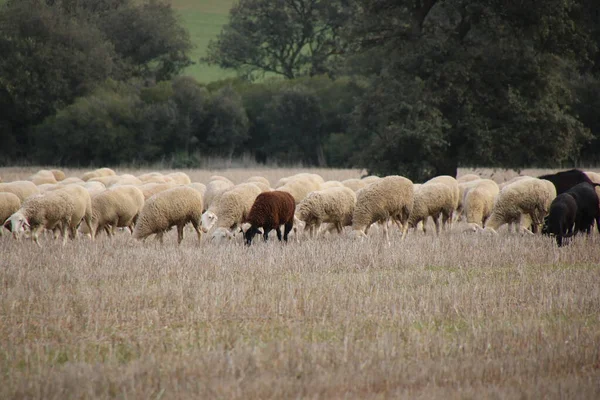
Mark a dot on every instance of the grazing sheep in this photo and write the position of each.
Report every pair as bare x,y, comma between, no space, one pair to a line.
42,176
334,205
261,179
93,187
513,180
431,200
200,187
299,188
58,174
467,178
71,179
232,208
559,222
452,183
172,207
390,198
220,178
149,176
82,207
155,177
214,191
150,189
565,180
98,173
588,207
463,190
354,184
180,177
22,189
51,210
107,181
526,197
126,179
269,211
262,186
479,201
370,179
117,207
331,184
594,176
9,204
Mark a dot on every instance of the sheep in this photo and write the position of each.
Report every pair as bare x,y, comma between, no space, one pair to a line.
116,207
269,211
299,188
98,173
58,174
9,204
449,181
180,177
154,177
200,187
391,197
172,207
232,208
354,184
565,180
594,176
255,178
126,179
107,181
463,190
220,178
332,184
479,201
467,178
214,191
262,186
93,187
588,207
334,205
82,207
42,176
71,179
559,222
22,189
150,189
370,179
50,210
148,175
527,197
513,180
431,200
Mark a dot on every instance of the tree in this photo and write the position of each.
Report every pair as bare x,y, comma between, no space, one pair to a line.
284,37
475,82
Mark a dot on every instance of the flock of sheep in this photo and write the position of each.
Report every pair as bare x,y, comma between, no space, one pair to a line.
152,203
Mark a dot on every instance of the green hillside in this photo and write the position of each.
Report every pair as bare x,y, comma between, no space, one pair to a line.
204,19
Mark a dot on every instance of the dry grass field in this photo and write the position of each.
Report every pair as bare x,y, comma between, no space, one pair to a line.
455,316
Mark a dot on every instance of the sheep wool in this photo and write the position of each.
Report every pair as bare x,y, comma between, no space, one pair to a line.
180,177
432,200
9,204
334,205
117,207
173,207
232,208
354,184
390,198
22,189
43,176
269,211
468,178
479,201
449,181
214,191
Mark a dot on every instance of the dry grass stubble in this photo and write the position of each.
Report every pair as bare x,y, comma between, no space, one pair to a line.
456,316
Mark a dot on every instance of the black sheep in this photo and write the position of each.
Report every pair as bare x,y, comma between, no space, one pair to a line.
559,222
565,180
269,211
588,207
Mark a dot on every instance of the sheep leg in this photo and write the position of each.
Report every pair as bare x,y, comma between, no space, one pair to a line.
196,226
286,230
266,234
385,231
278,230
64,230
179,233
159,237
35,235
436,221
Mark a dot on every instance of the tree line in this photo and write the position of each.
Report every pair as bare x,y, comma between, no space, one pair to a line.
415,88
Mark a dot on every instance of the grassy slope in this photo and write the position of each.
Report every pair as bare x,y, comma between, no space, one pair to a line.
204,19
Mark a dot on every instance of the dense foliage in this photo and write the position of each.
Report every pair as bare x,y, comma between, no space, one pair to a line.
407,87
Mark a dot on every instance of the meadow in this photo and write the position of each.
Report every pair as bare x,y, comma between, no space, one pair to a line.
455,316
204,20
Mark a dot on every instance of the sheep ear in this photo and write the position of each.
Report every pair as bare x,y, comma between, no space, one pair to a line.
7,224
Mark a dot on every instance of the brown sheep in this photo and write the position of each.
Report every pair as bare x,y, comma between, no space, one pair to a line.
269,211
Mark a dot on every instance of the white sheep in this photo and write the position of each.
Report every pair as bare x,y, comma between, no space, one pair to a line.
71,179
432,200
300,187
354,184
82,207
117,207
200,187
526,197
50,210
334,205
463,190
42,176
154,177
513,180
22,189
468,178
257,178
449,181
391,197
97,173
214,191
150,189
58,175
331,184
173,207
370,179
479,201
180,177
232,208
220,178
9,204
126,179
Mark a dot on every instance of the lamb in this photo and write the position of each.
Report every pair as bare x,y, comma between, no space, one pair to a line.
334,205
115,208
172,207
565,180
527,197
354,184
391,197
51,210
214,191
467,178
432,200
22,189
9,204
479,201
180,177
232,208
561,218
269,211
42,176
